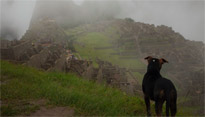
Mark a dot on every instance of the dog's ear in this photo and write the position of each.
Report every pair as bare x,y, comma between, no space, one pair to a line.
148,58
162,61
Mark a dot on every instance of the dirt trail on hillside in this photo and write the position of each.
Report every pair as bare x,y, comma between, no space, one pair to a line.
46,111
55,111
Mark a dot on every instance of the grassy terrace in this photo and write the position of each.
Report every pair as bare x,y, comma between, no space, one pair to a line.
20,83
91,41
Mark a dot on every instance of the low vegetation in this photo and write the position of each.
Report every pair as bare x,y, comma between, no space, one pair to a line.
20,83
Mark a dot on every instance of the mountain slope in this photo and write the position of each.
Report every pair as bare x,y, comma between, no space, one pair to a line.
114,51
126,43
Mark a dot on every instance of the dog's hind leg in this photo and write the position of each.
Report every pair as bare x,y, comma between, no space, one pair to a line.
147,102
158,107
173,103
173,107
159,100
167,106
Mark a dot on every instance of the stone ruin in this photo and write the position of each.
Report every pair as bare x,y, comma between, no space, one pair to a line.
106,73
55,58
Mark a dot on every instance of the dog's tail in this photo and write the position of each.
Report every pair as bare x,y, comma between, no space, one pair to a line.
173,102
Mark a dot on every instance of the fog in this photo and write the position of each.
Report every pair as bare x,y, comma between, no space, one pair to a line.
15,17
185,17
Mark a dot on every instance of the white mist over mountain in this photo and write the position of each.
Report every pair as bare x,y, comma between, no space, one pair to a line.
15,17
184,16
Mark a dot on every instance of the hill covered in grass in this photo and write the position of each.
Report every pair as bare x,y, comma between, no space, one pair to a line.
20,83
23,89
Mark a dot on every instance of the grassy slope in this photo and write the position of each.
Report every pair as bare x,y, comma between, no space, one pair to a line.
88,41
24,83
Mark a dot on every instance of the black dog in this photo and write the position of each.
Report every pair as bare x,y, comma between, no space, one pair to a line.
158,89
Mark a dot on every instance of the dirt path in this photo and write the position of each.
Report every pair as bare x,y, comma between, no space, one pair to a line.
50,110
55,111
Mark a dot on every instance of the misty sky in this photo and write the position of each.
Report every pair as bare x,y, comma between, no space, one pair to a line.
185,17
16,15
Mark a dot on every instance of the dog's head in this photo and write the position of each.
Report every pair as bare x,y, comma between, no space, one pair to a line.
155,64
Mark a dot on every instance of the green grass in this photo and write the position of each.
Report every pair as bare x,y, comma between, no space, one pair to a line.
87,41
88,98
96,40
21,84
16,109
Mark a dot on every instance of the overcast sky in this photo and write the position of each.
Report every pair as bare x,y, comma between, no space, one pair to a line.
184,16
16,15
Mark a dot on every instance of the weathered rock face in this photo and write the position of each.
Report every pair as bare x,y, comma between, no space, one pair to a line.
91,73
6,43
106,74
77,66
6,50
59,64
46,58
18,50
117,77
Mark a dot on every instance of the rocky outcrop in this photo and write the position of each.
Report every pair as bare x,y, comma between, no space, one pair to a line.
46,58
106,73
77,66
18,50
60,64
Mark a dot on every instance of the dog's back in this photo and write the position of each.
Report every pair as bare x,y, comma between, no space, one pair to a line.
165,85
148,84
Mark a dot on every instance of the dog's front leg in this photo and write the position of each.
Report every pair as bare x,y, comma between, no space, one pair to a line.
147,102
